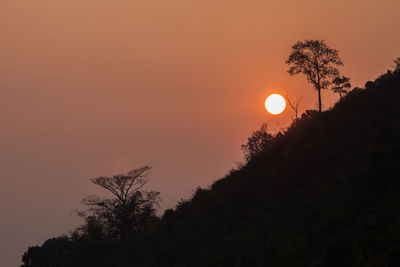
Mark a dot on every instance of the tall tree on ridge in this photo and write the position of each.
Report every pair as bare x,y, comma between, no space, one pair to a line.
316,60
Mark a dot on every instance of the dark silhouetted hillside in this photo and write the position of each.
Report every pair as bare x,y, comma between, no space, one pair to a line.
326,192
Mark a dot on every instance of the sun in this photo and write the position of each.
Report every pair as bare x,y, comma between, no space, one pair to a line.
275,104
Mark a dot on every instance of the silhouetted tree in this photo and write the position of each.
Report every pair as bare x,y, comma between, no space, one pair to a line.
341,85
397,64
294,105
126,214
48,254
316,60
92,229
256,142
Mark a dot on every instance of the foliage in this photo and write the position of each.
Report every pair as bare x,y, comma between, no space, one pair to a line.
125,215
326,192
317,61
341,85
109,224
397,64
256,142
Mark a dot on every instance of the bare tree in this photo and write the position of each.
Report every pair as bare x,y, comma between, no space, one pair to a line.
127,212
341,85
316,60
294,105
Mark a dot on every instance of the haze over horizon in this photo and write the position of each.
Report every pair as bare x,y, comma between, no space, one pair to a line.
93,88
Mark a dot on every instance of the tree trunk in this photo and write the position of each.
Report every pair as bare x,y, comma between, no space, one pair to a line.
319,91
319,100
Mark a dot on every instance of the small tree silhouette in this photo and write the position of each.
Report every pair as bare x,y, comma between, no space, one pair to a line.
316,60
397,64
341,85
256,143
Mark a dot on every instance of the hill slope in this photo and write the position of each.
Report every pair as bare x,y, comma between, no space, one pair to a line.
324,193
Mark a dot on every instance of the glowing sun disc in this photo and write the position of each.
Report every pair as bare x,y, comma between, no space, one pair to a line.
275,104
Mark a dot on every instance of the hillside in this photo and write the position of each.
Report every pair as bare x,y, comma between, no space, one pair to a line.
326,192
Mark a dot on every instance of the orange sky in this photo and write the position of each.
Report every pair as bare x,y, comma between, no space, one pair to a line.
95,87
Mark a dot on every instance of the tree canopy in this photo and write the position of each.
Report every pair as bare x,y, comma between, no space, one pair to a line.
317,61
256,142
126,214
341,85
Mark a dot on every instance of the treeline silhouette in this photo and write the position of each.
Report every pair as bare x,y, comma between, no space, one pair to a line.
325,192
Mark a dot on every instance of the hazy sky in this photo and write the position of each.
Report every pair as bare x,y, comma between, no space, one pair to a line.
95,87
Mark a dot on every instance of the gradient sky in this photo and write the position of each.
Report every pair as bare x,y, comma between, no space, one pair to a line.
95,87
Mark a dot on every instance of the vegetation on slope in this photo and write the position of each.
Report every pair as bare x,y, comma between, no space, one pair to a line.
326,192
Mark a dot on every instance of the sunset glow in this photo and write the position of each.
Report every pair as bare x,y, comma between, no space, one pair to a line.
275,104
92,88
